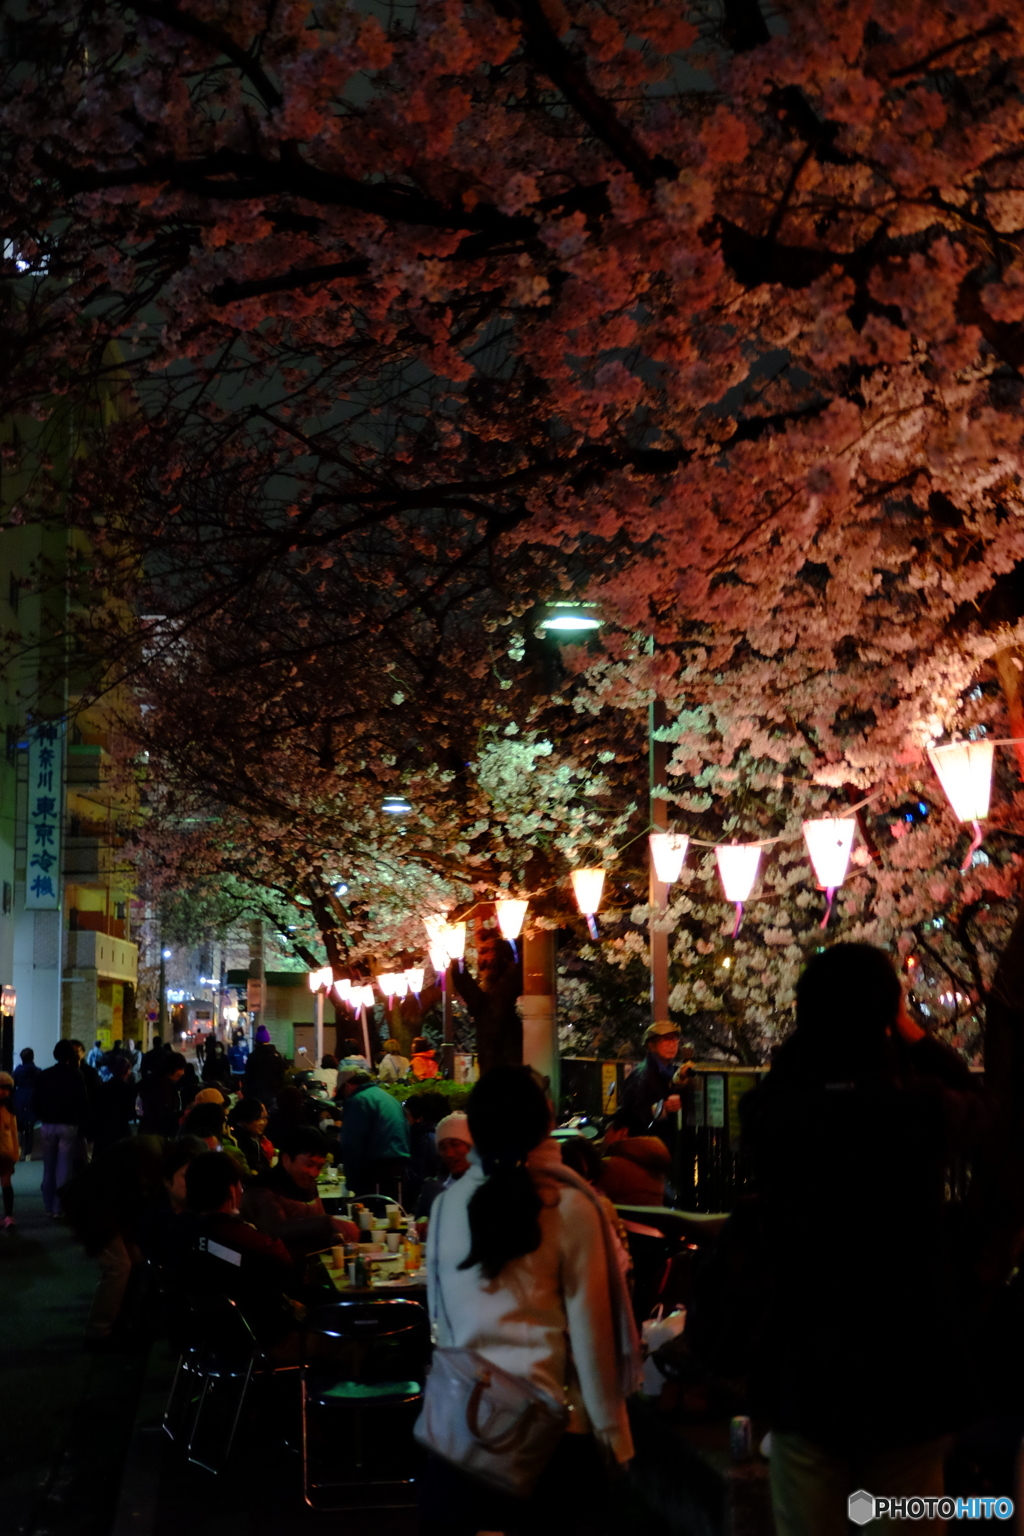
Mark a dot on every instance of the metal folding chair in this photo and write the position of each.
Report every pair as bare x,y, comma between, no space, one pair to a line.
363,1369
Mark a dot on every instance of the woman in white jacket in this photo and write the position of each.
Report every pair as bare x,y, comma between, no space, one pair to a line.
522,1268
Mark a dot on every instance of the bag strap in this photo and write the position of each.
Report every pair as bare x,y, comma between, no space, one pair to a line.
498,1443
435,1269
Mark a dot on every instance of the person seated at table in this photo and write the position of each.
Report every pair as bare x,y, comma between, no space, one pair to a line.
454,1144
633,1168
209,1123
351,1055
283,1203
394,1067
424,1060
423,1112
294,1108
374,1143
326,1074
248,1121
233,1258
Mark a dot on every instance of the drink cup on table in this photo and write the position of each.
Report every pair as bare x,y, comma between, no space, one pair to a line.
338,1257
366,1220
394,1241
394,1218
351,1271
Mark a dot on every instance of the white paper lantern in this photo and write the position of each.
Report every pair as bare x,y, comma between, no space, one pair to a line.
454,940
964,770
399,985
668,853
343,989
829,842
439,960
368,997
737,867
386,983
414,977
322,978
587,885
511,916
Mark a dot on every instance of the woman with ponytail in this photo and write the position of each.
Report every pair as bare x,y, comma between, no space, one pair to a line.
522,1269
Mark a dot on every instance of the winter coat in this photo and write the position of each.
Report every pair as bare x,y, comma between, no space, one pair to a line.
374,1127
393,1069
61,1097
281,1209
633,1171
860,1343
424,1066
10,1147
556,1316
25,1078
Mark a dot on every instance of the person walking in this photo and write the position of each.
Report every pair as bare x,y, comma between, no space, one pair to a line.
859,1370
238,1055
216,1067
26,1075
374,1142
10,1149
62,1108
160,1097
113,1111
522,1269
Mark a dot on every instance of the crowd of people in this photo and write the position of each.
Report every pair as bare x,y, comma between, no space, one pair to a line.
836,1274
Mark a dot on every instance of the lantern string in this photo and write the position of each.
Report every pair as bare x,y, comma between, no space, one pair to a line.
830,893
976,842
737,925
592,925
515,952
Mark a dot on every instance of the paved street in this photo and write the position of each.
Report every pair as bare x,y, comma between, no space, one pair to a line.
67,1414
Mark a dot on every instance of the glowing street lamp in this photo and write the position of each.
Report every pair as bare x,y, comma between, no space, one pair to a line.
964,769
320,982
737,868
829,842
587,886
414,977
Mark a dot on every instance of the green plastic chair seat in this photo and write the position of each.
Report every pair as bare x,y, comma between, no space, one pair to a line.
361,1392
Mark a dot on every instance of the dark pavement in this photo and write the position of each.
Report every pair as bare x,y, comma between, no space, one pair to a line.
67,1415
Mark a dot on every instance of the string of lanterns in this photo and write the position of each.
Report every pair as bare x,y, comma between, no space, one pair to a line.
964,770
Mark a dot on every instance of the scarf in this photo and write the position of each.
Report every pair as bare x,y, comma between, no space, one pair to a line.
545,1162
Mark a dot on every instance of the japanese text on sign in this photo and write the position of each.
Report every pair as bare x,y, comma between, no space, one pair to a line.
43,827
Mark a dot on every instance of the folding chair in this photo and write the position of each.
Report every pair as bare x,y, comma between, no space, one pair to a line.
364,1366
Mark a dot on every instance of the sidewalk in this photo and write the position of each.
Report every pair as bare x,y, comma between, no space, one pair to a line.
67,1415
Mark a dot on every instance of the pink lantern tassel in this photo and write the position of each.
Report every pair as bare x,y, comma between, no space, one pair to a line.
592,925
515,952
976,842
830,893
738,924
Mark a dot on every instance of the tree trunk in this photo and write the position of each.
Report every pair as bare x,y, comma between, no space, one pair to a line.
997,1192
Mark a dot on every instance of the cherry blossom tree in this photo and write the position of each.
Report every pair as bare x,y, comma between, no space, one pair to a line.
712,317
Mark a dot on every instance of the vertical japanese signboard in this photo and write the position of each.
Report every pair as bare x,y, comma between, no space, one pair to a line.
43,823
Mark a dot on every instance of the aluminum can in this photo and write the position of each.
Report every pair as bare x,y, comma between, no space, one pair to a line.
741,1439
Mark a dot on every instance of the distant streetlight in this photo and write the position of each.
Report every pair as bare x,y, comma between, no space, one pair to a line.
569,618
395,805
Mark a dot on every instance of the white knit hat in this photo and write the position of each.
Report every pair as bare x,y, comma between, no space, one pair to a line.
455,1126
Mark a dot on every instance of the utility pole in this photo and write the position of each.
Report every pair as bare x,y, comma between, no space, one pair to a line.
537,1008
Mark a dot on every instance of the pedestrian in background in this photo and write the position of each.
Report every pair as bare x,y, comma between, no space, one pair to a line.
10,1149
26,1075
216,1067
160,1097
62,1108
113,1112
374,1143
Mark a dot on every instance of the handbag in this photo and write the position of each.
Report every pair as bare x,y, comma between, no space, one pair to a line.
493,1426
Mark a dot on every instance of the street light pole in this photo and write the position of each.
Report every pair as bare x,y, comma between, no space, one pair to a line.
657,753
319,1026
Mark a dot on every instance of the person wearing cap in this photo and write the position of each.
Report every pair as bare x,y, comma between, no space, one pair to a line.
454,1144
650,1099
